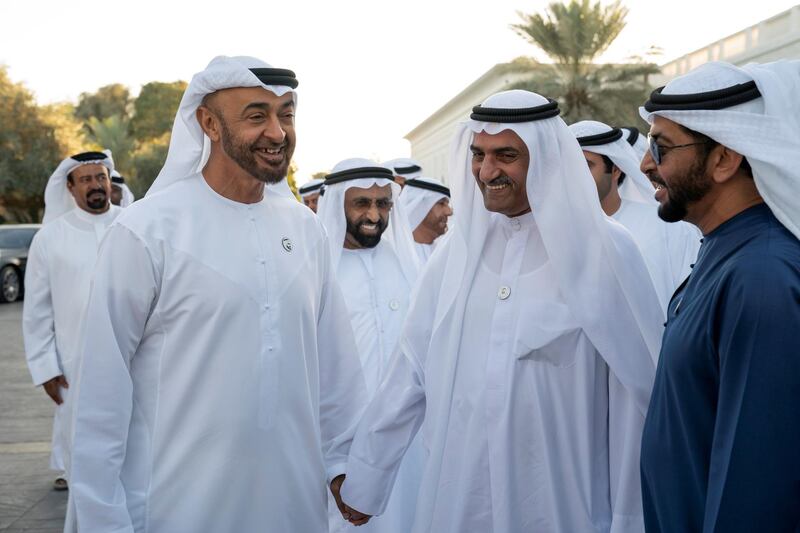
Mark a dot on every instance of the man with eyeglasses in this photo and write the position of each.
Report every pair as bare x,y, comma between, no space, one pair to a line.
721,439
77,213
376,264
626,195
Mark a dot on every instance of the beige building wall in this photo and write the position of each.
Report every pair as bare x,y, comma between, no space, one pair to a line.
775,38
430,141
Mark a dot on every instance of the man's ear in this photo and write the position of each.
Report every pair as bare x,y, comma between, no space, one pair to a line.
209,123
724,163
616,172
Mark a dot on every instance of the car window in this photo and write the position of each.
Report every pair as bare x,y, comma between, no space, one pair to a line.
16,237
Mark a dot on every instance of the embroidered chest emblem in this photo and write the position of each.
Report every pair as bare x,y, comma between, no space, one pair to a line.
287,244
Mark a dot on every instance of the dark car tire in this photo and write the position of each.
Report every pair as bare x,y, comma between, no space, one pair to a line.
10,284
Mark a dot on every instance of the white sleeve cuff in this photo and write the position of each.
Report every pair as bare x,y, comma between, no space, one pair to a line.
366,489
44,369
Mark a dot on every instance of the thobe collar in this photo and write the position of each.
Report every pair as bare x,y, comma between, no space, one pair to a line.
511,225
227,201
92,218
746,219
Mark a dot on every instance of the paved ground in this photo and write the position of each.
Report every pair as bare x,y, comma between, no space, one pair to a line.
27,501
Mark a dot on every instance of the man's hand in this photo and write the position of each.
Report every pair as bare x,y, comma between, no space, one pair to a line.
53,388
348,513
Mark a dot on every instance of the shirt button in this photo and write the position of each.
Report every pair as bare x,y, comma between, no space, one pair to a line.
260,260
516,224
394,305
270,348
266,306
504,292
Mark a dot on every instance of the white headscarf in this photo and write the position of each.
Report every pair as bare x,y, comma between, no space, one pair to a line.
418,202
57,198
765,130
405,167
607,288
127,195
636,140
188,145
397,234
310,187
636,187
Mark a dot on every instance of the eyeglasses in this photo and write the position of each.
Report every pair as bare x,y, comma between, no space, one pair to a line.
658,151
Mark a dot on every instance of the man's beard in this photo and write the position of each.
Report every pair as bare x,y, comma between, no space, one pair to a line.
366,241
99,202
243,155
692,188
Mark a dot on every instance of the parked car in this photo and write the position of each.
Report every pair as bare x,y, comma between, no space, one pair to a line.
15,239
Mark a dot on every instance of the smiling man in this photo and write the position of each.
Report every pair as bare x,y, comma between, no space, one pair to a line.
376,266
57,278
720,445
426,202
527,354
626,195
220,377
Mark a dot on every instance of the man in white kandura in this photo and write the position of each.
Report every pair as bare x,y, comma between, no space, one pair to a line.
626,195
530,365
377,267
426,202
220,379
121,194
310,193
60,261
404,168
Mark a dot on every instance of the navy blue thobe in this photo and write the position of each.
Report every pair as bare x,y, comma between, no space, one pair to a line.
721,443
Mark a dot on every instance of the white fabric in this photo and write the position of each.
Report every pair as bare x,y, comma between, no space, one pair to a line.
402,162
310,183
220,382
398,235
640,145
377,295
668,249
57,278
636,187
417,202
57,198
188,145
127,195
529,449
424,251
766,130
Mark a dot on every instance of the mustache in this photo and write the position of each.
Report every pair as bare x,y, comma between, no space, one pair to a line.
655,178
269,145
101,191
500,180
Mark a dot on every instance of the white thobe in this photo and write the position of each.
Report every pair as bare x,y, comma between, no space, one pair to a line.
60,264
533,430
424,251
220,381
669,249
377,295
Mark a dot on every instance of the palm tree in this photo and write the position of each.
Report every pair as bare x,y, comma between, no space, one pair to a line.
573,34
113,133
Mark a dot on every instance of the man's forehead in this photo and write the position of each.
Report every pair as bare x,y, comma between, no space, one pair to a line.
665,128
505,138
90,169
250,95
374,190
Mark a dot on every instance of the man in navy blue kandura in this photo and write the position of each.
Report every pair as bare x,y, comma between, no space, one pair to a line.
721,443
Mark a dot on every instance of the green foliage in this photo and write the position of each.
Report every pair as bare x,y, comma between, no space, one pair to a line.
29,151
113,133
155,109
146,163
69,131
573,34
114,99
